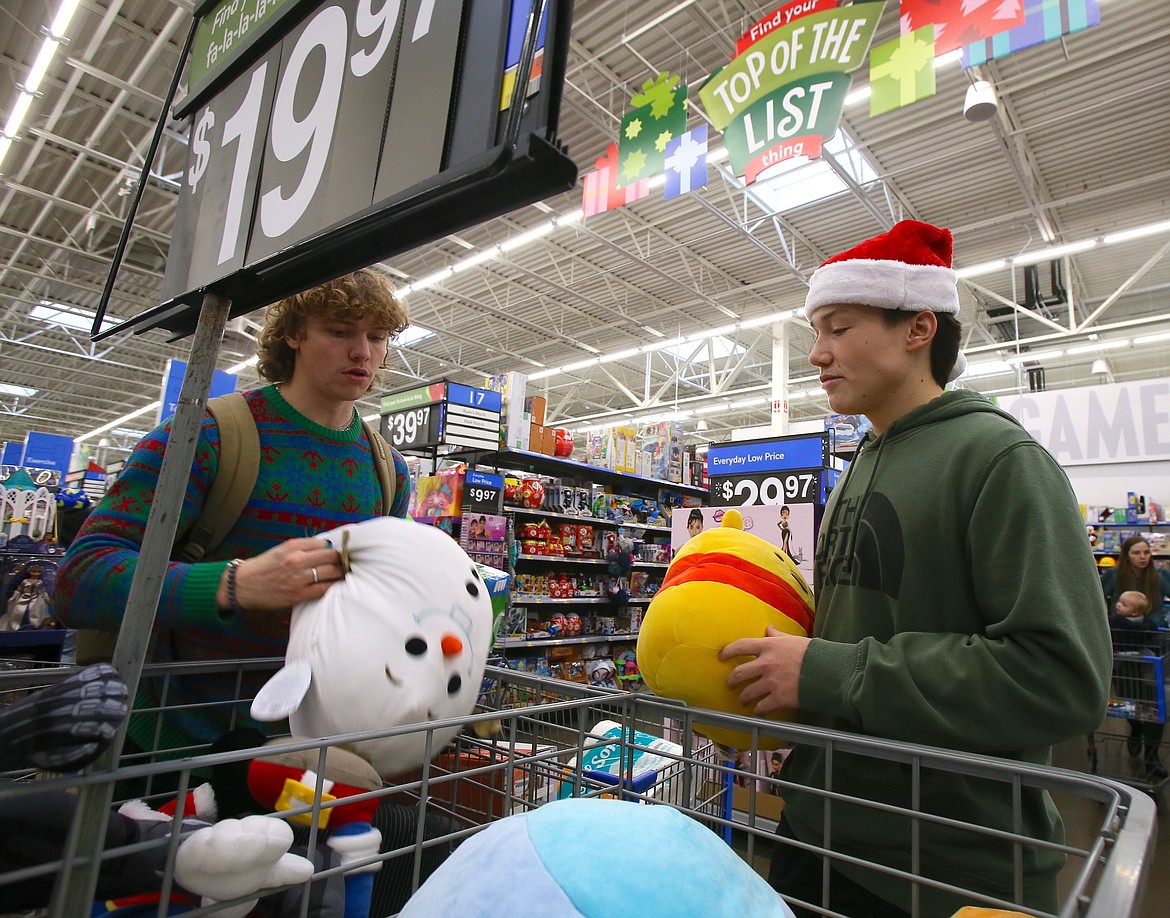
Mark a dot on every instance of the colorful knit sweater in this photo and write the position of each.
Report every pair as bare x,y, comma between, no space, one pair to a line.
311,479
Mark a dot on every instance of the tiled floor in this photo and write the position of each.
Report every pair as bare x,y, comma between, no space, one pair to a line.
1082,817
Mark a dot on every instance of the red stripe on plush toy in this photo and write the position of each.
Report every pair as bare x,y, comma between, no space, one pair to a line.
737,572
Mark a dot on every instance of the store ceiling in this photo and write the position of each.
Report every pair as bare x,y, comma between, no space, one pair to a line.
1077,151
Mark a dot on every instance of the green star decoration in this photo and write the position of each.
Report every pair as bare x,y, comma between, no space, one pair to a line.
633,165
659,94
660,115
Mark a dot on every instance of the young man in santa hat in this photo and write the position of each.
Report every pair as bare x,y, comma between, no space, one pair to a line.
957,606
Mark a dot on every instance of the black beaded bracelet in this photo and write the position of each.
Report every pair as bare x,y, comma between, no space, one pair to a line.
232,567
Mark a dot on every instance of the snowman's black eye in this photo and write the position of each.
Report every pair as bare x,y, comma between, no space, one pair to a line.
453,685
416,646
475,573
472,589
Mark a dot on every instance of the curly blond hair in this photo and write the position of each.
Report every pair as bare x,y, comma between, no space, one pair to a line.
367,293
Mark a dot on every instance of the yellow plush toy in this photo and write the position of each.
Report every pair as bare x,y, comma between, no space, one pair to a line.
723,584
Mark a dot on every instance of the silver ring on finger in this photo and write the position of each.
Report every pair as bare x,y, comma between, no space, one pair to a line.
315,578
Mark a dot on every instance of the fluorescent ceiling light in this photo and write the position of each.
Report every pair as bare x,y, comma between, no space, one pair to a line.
67,316
120,421
537,232
1152,339
61,20
1127,235
987,368
477,259
64,16
1095,347
711,409
578,365
988,267
619,355
1053,252
1037,355
22,391
243,364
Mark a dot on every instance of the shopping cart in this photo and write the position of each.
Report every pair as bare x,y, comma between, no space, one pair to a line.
535,740
1129,746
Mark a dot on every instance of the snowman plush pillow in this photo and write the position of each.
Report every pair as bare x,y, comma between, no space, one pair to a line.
402,639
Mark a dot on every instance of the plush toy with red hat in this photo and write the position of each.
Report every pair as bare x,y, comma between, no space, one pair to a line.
907,268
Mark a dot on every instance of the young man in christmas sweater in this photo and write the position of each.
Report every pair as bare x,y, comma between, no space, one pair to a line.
321,351
957,604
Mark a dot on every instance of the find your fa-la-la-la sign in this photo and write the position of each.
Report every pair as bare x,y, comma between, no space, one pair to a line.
782,95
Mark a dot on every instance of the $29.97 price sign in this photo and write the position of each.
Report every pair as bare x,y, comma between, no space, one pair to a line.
796,487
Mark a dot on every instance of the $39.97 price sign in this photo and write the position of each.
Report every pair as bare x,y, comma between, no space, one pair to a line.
799,487
413,428
295,143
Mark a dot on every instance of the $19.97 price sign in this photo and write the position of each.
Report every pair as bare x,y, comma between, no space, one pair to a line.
796,487
294,144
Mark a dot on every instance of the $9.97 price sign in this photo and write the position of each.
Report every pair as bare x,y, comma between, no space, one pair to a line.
798,487
295,143
482,491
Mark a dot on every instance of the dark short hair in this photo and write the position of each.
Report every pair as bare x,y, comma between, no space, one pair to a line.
944,349
367,293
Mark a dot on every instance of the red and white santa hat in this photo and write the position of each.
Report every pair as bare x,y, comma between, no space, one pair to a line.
908,267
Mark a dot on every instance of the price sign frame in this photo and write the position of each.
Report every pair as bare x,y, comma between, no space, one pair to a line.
482,492
451,415
793,486
761,470
266,223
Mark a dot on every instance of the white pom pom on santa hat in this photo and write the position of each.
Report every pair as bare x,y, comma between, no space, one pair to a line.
908,267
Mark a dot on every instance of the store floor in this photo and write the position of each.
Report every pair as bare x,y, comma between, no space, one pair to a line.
1082,817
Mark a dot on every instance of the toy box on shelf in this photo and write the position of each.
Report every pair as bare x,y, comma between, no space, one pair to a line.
438,495
1107,528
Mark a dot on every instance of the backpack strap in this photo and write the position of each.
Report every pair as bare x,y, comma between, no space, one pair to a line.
383,465
239,466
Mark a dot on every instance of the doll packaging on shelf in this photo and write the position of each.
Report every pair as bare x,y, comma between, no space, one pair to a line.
27,605
723,584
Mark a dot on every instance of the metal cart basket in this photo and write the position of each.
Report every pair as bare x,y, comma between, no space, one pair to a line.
1129,746
537,739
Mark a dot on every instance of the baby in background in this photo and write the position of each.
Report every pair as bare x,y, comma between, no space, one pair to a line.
1133,605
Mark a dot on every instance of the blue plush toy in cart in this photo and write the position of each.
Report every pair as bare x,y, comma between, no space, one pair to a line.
589,858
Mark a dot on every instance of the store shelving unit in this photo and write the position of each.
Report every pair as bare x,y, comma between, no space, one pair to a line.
591,608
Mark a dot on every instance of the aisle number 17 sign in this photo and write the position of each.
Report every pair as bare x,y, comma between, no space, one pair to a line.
441,413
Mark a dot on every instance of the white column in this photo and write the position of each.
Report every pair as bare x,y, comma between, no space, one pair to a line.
780,378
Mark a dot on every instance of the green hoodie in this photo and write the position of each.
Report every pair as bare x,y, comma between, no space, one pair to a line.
957,606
